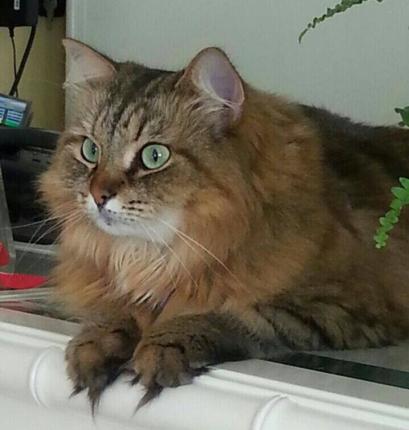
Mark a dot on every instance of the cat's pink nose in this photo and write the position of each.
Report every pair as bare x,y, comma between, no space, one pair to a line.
102,190
101,199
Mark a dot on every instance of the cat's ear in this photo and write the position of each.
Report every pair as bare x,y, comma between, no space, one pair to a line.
85,64
213,74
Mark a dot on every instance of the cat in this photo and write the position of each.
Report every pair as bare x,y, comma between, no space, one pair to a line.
203,220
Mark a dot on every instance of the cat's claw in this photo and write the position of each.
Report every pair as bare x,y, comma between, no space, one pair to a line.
151,393
77,389
162,366
154,389
95,359
99,382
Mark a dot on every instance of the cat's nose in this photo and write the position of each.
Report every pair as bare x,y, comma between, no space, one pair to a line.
101,192
101,199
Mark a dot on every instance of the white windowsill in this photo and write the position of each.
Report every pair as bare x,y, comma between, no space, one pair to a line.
35,394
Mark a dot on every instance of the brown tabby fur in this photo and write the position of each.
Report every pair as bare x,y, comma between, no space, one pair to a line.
280,205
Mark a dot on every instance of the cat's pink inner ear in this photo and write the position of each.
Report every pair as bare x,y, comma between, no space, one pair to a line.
212,72
84,63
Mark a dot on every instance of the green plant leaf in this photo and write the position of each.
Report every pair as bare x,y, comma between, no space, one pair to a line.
401,194
396,205
404,182
392,217
387,222
381,235
404,113
387,226
341,7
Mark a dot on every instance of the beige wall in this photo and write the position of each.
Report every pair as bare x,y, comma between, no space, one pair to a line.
44,73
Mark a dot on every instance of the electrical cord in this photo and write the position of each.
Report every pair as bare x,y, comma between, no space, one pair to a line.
13,44
18,75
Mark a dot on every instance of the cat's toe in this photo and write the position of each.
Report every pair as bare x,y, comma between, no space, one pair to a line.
95,360
89,370
161,366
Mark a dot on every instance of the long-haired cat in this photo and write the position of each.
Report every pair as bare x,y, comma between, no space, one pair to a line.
204,220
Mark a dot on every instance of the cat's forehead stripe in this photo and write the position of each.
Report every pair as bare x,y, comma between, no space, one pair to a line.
129,157
101,109
131,152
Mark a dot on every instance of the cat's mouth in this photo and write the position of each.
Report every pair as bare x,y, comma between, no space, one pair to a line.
160,229
116,224
107,217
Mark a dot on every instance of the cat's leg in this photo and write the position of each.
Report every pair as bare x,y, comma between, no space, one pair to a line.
95,357
173,352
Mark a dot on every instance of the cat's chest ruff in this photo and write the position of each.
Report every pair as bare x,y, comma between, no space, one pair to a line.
142,275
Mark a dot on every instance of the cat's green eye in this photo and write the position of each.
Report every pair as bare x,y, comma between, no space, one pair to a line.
154,156
90,151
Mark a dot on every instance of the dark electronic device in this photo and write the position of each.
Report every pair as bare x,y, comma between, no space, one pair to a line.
14,112
18,13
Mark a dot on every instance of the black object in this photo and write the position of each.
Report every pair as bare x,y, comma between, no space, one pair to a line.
58,12
24,154
14,139
14,87
18,13
13,46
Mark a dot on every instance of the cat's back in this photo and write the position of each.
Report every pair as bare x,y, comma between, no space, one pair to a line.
363,163
366,160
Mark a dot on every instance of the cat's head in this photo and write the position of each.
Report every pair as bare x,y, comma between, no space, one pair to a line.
148,150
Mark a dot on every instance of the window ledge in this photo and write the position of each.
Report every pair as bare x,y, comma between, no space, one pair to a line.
35,393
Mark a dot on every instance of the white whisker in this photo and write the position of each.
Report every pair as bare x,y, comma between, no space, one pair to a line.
202,247
177,258
30,244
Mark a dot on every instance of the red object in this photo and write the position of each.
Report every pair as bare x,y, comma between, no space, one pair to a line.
17,281
4,255
21,281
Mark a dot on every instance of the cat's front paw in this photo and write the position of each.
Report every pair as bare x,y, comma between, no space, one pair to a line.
96,357
161,365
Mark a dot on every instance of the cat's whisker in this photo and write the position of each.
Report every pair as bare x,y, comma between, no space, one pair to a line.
53,243
26,248
202,247
173,252
71,219
161,258
196,251
30,244
47,82
38,258
27,224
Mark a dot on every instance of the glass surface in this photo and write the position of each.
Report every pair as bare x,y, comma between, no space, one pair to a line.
25,231
7,251
388,365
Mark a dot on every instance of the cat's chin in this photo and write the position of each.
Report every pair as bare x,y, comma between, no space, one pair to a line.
114,228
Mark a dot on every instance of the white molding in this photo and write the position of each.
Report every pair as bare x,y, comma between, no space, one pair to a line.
224,399
76,18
